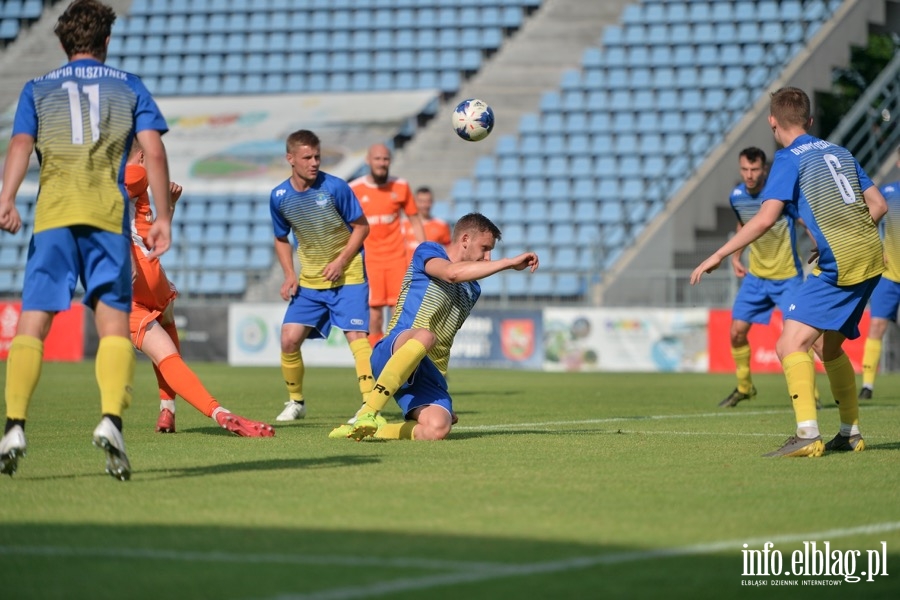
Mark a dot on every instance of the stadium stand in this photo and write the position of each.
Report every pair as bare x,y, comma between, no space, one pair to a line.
636,118
582,176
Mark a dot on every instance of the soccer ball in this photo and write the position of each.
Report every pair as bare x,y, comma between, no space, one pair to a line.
472,119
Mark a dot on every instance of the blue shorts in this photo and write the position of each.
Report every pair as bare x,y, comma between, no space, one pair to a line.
830,307
885,300
58,258
425,386
346,307
758,297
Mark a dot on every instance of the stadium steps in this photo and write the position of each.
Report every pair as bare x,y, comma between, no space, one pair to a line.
652,256
550,41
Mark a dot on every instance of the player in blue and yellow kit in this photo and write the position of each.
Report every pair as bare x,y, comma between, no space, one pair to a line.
81,119
886,298
822,184
774,269
330,227
438,292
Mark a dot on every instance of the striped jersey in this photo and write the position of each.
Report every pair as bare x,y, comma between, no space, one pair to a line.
320,218
891,230
774,254
433,304
823,184
83,117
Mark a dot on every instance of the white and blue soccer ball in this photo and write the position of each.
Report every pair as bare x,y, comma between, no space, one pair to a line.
472,119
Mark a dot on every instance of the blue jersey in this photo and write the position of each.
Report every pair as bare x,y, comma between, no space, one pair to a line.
774,254
83,117
823,184
320,218
891,229
433,304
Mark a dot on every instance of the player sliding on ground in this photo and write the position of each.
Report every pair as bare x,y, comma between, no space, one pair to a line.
410,362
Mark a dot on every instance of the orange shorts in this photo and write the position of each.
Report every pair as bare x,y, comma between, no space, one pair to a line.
152,292
384,283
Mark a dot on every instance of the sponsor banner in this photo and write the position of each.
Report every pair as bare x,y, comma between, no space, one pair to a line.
202,332
499,338
254,339
65,342
625,339
762,338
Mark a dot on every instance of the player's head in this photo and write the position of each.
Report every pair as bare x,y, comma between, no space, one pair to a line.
85,27
303,154
752,162
136,156
789,109
379,160
476,236
424,201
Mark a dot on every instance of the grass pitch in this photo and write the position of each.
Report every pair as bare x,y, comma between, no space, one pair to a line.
551,486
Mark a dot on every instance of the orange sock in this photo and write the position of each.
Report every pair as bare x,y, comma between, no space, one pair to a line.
165,390
186,384
374,337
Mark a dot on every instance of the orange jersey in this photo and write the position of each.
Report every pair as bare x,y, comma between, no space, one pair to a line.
382,205
436,230
141,216
151,287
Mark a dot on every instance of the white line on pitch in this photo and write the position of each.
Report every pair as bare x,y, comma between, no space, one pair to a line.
571,564
728,414
621,419
463,571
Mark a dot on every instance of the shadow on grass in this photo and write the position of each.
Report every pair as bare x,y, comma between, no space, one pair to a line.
152,561
150,475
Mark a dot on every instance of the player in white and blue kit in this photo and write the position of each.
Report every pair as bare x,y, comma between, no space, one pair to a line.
886,298
822,184
438,292
81,120
325,217
774,269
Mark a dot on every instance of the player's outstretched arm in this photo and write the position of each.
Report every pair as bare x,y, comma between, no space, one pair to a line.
17,156
750,232
470,270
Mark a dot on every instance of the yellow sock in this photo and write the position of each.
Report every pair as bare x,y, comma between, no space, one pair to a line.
397,370
801,374
871,358
114,369
812,357
23,370
397,431
843,386
292,370
362,355
741,358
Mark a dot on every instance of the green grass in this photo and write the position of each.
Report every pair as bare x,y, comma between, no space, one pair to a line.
551,486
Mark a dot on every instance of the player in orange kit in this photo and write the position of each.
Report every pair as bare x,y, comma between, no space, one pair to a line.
382,197
152,323
436,230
